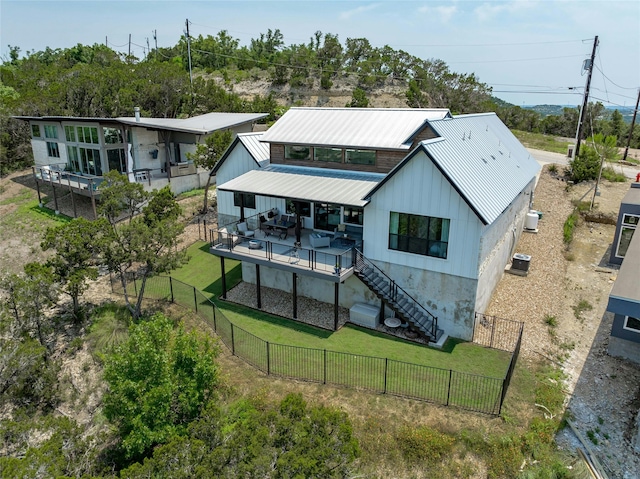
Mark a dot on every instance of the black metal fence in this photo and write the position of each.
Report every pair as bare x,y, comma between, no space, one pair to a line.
382,375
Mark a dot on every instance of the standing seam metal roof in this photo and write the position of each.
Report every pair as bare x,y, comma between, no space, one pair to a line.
485,161
258,150
373,128
306,184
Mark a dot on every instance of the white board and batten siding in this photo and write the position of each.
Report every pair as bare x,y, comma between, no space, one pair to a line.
237,164
420,189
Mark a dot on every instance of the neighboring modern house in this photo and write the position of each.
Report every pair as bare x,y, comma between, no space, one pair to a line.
624,299
75,153
413,210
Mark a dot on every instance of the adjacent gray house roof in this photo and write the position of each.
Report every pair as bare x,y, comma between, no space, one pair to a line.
197,125
625,295
482,160
306,184
373,128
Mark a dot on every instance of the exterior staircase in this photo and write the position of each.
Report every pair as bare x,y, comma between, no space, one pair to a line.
397,299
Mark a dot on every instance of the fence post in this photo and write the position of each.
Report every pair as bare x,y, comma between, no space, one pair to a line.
268,360
386,365
215,326
233,343
195,299
171,287
493,329
449,388
324,380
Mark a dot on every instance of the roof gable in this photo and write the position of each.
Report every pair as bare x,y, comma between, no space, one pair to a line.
251,142
481,159
379,128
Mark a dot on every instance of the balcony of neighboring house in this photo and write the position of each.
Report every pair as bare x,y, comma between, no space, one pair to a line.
281,242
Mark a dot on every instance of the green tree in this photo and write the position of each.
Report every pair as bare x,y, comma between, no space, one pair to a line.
29,297
358,99
159,380
77,245
255,439
147,244
596,150
207,154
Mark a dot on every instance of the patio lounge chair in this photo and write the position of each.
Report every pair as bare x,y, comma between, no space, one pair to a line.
244,230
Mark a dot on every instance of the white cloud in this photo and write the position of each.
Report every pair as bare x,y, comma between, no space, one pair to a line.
357,11
445,13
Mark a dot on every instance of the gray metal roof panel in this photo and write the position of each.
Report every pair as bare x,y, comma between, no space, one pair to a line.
306,184
627,286
483,159
199,125
379,128
258,150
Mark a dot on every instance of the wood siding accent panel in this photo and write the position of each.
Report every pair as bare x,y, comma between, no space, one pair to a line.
276,153
427,133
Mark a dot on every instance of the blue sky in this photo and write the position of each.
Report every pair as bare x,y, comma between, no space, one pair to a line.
530,52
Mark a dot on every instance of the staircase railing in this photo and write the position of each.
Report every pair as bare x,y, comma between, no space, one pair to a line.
394,289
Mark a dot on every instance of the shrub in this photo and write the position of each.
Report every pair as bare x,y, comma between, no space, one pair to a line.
609,174
423,444
569,227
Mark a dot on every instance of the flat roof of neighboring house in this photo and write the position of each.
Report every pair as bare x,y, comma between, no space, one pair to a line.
198,125
632,197
373,128
306,184
627,286
482,160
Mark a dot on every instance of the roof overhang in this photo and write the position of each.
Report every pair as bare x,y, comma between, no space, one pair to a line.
625,295
318,185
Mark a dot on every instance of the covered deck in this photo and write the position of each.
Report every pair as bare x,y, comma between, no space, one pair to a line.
332,259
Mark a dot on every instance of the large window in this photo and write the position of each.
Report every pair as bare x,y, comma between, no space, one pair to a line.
419,234
70,133
74,158
112,136
326,216
35,131
353,215
632,324
247,200
333,155
85,160
51,131
52,149
360,157
628,227
88,134
296,152
305,208
117,160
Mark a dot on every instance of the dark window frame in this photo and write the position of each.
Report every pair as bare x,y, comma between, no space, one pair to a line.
418,234
249,200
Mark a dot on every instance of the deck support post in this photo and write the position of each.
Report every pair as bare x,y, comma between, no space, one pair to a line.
93,200
55,198
224,278
37,186
335,305
295,295
73,200
258,296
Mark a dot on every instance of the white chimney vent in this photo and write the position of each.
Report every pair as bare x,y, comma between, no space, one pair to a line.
137,113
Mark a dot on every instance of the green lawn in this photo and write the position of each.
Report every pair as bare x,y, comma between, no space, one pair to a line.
203,272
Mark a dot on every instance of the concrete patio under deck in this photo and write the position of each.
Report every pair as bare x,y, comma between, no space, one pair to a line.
273,252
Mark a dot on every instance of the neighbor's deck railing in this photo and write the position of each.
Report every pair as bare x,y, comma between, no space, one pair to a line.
382,375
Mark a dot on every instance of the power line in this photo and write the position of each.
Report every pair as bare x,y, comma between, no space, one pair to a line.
611,81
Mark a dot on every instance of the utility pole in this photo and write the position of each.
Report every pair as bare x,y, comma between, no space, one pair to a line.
189,52
148,49
633,123
129,45
155,38
106,41
585,101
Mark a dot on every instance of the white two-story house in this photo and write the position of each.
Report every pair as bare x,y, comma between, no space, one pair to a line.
413,209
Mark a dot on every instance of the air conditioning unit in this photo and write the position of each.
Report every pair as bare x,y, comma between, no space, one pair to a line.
521,262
